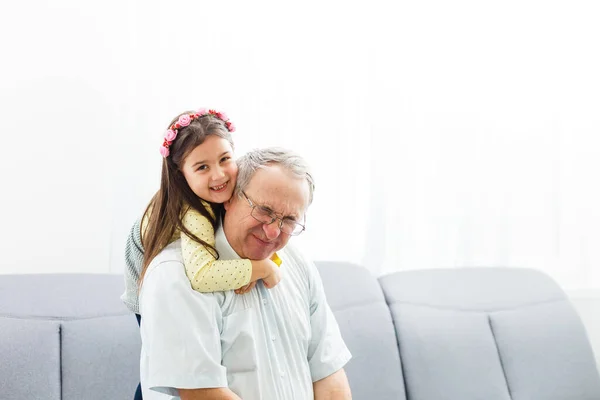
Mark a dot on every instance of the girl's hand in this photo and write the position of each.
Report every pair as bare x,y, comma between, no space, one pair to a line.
267,270
245,289
271,280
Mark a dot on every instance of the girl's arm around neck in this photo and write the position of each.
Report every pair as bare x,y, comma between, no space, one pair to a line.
208,394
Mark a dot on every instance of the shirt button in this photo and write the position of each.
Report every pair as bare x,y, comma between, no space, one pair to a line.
282,374
273,338
264,301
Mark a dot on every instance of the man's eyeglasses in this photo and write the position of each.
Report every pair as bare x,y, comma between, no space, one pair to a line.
267,216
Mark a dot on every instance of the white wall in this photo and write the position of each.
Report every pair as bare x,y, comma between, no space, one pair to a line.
442,133
587,305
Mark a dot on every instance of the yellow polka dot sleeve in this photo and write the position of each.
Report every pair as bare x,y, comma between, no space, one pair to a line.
206,274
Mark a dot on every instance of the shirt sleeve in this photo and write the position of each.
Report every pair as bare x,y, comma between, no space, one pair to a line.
327,352
180,329
205,273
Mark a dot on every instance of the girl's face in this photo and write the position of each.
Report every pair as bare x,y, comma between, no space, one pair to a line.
210,170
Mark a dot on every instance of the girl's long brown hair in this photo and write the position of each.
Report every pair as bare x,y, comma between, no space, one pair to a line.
166,209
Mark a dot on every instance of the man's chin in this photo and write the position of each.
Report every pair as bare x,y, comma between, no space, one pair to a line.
260,255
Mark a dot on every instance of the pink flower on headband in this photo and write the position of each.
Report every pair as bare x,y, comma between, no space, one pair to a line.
184,120
170,135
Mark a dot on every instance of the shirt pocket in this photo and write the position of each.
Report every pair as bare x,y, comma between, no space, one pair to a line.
238,340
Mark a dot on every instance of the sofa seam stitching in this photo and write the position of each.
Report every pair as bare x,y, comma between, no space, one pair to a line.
53,318
499,357
60,360
480,311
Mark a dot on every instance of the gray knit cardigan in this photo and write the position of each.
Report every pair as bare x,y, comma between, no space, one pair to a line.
134,258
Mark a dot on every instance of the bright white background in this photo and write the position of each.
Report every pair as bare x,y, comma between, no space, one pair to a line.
441,134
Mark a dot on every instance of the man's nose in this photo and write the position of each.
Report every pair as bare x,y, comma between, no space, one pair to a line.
272,230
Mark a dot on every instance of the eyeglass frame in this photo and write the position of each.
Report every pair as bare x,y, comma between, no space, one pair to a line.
272,215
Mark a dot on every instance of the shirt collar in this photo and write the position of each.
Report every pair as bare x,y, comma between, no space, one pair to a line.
225,250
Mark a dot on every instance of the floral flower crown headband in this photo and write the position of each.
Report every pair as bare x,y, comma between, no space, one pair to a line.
184,120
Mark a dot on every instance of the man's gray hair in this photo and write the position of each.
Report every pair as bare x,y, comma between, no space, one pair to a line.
250,162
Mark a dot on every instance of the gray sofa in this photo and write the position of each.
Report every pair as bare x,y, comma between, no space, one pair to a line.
460,334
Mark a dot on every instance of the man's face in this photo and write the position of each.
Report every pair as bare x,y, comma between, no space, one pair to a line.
276,189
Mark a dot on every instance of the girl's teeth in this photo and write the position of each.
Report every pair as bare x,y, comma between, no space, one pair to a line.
219,187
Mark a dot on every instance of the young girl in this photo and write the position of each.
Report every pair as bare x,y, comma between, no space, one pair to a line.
198,175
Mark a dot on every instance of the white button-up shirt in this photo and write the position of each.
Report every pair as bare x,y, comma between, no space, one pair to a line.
265,344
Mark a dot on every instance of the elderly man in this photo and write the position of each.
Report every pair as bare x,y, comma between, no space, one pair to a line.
280,343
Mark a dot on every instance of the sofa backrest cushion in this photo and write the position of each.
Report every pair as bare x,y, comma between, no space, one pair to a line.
30,359
62,296
489,333
67,337
375,371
